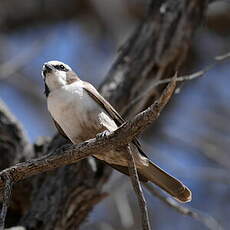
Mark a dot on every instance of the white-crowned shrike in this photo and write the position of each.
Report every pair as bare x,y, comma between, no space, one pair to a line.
80,113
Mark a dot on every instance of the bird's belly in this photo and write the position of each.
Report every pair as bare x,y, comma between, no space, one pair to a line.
119,157
113,157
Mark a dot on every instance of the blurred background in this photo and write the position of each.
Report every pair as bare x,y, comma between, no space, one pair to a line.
193,134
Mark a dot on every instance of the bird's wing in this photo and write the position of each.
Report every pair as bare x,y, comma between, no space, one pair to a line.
95,95
60,130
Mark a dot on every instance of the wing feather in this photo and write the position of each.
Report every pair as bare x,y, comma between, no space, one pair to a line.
95,95
60,130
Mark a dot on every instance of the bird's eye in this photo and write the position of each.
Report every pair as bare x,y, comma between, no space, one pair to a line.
62,67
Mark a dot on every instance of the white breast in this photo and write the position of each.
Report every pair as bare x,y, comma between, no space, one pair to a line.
76,112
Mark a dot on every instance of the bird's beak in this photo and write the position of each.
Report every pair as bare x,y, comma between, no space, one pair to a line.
46,68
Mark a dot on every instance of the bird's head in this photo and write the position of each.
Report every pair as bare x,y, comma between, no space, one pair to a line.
57,74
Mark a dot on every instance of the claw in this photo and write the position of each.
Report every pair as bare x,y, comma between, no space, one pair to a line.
105,133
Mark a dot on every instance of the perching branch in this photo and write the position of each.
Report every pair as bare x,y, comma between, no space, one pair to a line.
73,153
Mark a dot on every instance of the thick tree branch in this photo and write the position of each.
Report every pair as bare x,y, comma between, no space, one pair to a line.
155,51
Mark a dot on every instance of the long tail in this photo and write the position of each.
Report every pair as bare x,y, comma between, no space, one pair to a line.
167,182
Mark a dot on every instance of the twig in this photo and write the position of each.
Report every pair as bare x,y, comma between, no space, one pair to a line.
204,218
74,153
178,79
138,190
6,198
222,57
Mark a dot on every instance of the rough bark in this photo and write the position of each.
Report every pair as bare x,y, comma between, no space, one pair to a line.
14,145
63,198
14,148
155,51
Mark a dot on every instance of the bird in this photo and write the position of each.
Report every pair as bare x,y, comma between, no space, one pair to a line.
80,113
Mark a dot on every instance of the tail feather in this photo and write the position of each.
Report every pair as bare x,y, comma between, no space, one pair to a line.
166,182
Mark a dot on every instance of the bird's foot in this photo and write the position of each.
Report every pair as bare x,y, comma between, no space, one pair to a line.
102,135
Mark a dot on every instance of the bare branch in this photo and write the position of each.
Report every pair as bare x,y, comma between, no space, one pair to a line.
222,57
138,190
